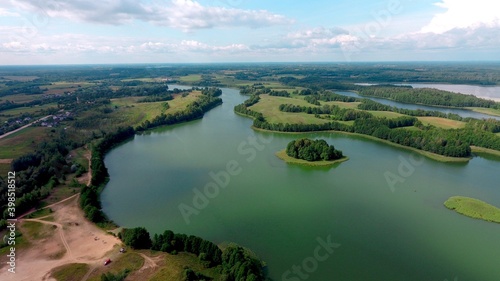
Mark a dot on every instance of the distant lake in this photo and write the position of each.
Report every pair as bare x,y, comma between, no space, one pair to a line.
485,92
386,232
461,112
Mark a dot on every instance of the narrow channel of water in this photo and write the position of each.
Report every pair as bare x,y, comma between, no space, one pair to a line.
461,112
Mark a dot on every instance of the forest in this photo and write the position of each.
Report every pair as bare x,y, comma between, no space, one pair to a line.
236,263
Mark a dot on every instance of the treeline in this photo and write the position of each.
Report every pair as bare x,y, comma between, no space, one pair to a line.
37,173
239,264
312,150
315,83
334,111
426,96
99,171
235,262
89,199
90,195
194,110
174,243
164,97
281,93
367,104
212,91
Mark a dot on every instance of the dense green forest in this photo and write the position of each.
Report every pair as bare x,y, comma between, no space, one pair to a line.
312,150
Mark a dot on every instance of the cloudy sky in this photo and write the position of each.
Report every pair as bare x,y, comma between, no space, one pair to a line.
172,31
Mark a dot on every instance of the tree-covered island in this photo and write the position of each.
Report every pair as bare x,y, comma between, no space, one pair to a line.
311,152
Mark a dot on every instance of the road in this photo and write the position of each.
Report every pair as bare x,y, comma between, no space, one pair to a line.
23,127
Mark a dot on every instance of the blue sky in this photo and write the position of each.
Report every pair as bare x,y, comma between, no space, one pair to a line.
178,31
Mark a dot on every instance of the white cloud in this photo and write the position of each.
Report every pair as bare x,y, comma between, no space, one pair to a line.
464,14
6,13
320,37
186,15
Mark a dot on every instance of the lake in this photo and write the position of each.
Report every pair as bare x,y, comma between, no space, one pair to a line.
485,92
377,228
461,112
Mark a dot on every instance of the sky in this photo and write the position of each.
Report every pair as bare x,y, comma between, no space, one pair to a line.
203,31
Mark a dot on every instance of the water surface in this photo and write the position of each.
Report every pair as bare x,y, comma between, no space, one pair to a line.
279,211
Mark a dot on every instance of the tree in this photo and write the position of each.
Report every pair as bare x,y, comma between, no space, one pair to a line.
137,238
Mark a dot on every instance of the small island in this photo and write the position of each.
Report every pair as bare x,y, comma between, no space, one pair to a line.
473,208
311,153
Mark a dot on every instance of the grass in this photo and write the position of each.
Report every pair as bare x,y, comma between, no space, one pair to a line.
35,230
22,142
70,272
175,265
20,98
4,169
489,111
130,112
473,208
290,160
34,109
59,193
269,107
482,150
130,260
40,213
442,122
386,114
21,78
351,105
190,78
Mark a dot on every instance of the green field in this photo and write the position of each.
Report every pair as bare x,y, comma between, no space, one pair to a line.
21,78
352,105
473,208
130,260
20,98
386,114
131,112
22,142
290,160
70,272
269,107
33,110
191,78
489,111
442,122
175,265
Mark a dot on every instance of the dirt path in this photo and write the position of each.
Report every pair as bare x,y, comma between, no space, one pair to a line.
80,240
61,233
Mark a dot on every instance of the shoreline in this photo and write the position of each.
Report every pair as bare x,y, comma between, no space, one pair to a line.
433,156
290,160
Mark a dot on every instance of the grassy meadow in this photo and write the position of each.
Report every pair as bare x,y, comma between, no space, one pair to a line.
473,208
